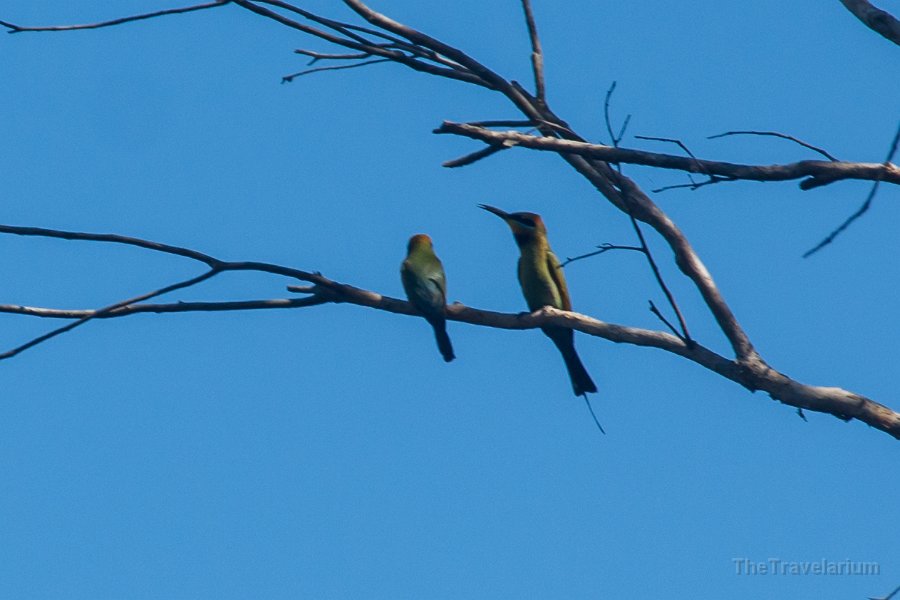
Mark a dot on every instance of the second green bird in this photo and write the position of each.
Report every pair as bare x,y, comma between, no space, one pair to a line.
425,285
543,284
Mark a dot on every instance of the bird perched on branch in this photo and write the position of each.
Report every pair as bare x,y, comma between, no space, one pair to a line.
543,284
425,285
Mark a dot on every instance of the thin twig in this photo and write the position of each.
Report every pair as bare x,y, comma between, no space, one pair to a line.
889,596
213,263
291,77
681,145
350,31
176,307
614,139
480,74
159,13
605,247
537,55
111,238
816,172
693,186
357,43
863,208
502,123
778,135
317,56
103,311
678,142
686,336
473,157
665,321
645,250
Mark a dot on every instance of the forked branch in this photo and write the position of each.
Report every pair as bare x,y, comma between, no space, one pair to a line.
814,173
840,403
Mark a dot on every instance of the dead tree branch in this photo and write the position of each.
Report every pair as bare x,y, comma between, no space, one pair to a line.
151,15
685,335
864,207
840,403
293,76
879,21
102,312
537,55
816,172
613,137
603,248
317,56
693,184
778,135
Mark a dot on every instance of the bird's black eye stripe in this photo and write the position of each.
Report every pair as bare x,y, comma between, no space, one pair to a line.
525,221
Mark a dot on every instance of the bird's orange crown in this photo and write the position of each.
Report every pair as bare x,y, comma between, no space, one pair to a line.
419,240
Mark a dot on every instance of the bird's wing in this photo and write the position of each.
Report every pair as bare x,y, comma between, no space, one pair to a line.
440,288
426,292
556,274
439,279
407,277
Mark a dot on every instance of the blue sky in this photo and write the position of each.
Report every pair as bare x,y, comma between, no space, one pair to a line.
329,452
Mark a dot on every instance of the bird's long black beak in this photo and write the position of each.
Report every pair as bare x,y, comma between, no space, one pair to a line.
492,209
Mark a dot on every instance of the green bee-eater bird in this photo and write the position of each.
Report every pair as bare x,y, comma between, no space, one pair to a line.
543,284
426,288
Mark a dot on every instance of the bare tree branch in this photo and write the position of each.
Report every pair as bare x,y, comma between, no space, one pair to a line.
317,56
863,208
113,239
889,596
151,15
778,135
537,55
685,334
835,401
879,21
503,123
683,146
603,248
643,249
815,170
665,322
614,138
293,76
100,313
483,74
473,157
693,185
350,40
352,32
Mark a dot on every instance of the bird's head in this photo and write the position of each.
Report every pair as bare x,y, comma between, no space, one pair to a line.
420,240
524,225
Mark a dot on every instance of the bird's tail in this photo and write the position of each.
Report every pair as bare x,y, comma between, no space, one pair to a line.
443,340
565,340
